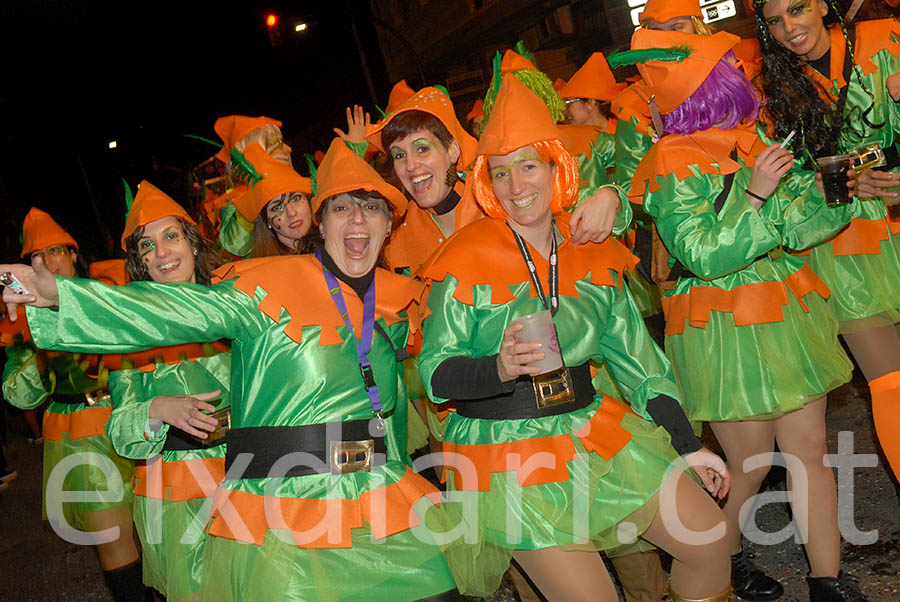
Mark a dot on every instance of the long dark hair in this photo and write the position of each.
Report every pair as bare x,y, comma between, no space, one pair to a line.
205,259
794,101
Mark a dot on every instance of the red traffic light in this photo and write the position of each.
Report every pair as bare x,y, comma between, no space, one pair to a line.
271,20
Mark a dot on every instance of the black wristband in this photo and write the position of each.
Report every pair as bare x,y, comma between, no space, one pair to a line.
667,413
756,196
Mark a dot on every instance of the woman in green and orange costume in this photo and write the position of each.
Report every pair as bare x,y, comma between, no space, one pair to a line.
601,462
300,403
273,209
153,397
751,338
74,426
841,94
240,231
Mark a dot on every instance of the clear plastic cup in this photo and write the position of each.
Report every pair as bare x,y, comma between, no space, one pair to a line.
538,328
834,178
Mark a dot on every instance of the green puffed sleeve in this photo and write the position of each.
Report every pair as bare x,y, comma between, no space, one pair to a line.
22,383
630,148
708,244
623,218
99,318
129,424
798,211
358,148
448,331
236,233
640,368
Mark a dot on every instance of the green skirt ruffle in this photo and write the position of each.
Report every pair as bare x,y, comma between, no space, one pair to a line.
172,541
865,289
603,506
399,568
89,460
759,371
172,536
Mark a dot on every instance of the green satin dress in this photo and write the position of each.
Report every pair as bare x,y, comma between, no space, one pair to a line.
73,433
582,505
865,286
170,520
293,364
747,355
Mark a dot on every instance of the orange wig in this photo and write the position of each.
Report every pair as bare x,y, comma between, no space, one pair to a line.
565,183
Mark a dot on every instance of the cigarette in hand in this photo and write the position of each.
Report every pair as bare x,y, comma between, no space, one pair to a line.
788,139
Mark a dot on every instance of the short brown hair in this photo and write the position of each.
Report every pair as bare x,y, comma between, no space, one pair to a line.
410,122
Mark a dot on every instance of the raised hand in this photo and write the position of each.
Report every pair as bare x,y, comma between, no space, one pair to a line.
357,122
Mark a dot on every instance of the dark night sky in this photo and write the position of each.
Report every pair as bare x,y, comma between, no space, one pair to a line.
78,73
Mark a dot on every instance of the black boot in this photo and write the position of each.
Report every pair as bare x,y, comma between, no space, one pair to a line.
830,589
750,583
127,583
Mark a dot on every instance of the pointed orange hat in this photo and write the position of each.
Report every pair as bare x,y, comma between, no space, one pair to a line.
400,93
665,10
275,178
519,118
477,110
673,81
234,127
150,204
40,232
434,102
342,170
513,61
594,80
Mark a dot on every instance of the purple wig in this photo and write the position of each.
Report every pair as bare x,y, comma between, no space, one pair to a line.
724,99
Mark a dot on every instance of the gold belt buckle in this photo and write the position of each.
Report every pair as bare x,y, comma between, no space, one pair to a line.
95,397
224,418
351,456
553,388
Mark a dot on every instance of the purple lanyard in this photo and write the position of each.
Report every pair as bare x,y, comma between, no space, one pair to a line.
364,345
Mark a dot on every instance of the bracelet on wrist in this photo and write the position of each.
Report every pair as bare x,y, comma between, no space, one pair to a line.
756,196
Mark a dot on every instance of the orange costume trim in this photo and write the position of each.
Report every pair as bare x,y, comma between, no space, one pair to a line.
756,303
581,136
10,330
707,150
323,523
413,242
177,482
87,422
395,294
603,435
146,361
872,37
466,265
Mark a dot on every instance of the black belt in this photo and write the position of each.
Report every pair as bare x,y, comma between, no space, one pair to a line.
178,440
356,450
69,399
522,402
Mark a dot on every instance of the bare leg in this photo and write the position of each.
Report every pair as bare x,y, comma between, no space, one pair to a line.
801,434
564,576
32,422
876,350
699,570
122,551
741,440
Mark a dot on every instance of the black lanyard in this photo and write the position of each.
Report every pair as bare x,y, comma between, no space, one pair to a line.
553,306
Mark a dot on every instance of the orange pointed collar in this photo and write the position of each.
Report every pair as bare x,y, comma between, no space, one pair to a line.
463,258
708,150
304,295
